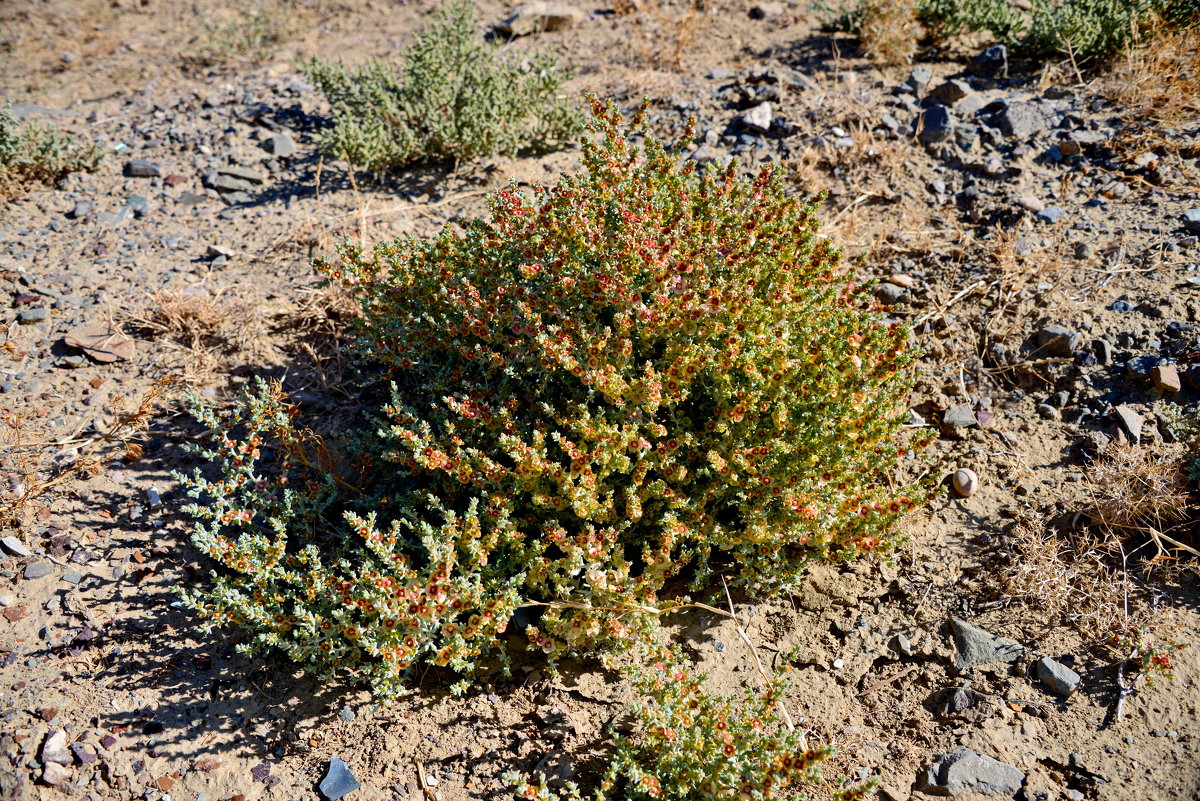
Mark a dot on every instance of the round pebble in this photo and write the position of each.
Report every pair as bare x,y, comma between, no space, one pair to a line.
965,481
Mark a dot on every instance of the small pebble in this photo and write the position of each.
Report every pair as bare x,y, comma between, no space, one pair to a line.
965,481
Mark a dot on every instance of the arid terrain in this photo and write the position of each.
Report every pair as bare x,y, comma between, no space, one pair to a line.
1028,220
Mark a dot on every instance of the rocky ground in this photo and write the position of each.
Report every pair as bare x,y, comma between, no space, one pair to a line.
1035,225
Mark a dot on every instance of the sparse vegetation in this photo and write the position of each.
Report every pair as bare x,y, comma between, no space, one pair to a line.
696,746
1083,30
249,37
34,153
454,98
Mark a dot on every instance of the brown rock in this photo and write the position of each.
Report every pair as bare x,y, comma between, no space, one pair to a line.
1165,378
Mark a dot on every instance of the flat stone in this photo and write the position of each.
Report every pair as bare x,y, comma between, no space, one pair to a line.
1023,120
37,570
191,199
1052,214
30,316
951,91
72,577
82,209
1191,220
960,416
338,780
85,753
1058,677
244,173
540,16
974,646
15,546
1057,340
54,749
227,183
1130,421
919,79
890,294
1031,203
759,117
901,645
280,145
1166,378
961,770
141,168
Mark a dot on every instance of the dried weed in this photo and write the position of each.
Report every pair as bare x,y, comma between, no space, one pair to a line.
206,329
889,31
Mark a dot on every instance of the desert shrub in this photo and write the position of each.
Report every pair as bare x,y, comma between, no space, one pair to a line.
611,391
1083,29
888,30
694,745
32,153
453,99
249,37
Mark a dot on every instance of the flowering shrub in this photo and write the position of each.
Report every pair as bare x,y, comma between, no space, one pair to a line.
610,392
453,99
695,746
1149,657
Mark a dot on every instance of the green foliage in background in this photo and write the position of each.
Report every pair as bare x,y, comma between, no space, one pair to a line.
33,153
1083,29
453,98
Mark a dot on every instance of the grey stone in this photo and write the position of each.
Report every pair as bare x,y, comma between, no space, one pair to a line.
961,770
39,314
951,91
1058,677
85,753
1191,220
37,570
971,104
759,117
889,294
82,209
934,125
280,145
141,168
1022,120
540,16
72,577
795,79
901,645
346,714
15,546
1051,215
992,60
191,199
919,79
338,781
226,183
1102,349
244,173
1048,412
1130,421
960,416
1057,340
974,646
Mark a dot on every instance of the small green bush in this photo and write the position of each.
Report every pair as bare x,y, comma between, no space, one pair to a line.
617,388
1083,29
698,746
250,37
453,99
32,153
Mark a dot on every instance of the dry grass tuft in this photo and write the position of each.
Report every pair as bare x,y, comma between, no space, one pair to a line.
33,466
665,35
1080,581
1137,491
889,31
206,329
1159,81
